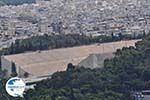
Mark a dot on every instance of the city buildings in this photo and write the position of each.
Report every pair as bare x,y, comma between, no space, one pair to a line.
89,17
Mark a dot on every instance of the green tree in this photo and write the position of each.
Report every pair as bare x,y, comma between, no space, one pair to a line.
13,70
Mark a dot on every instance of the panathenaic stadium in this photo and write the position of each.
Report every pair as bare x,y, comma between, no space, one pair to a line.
41,64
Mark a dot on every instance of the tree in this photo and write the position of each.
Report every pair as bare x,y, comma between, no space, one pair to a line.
26,74
70,67
120,36
112,35
13,70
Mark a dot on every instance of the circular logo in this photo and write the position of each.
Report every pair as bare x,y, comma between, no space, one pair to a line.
15,87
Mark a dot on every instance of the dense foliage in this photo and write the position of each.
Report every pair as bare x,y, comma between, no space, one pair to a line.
47,42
